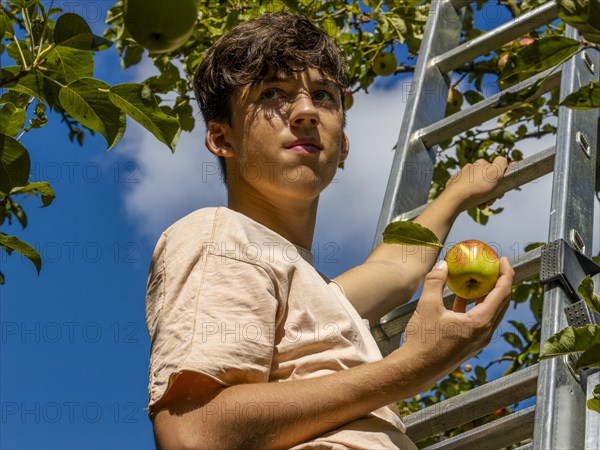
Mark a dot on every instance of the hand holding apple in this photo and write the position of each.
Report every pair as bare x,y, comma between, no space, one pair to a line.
440,338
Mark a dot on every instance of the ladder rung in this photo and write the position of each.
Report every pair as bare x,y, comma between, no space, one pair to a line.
520,173
526,266
494,435
481,112
472,405
492,39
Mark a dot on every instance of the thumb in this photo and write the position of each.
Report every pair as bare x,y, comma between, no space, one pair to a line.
435,281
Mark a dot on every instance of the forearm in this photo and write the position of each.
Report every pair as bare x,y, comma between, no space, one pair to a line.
281,415
392,273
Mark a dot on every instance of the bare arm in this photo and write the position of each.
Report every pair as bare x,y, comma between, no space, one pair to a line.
392,273
199,413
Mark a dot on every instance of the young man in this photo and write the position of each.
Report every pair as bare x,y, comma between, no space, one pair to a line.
251,346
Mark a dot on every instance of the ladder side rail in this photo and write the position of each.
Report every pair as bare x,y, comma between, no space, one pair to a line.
412,167
560,419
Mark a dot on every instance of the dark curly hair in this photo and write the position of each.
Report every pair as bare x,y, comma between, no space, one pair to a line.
280,42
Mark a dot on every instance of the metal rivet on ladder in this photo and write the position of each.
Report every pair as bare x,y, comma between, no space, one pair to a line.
576,240
588,60
583,143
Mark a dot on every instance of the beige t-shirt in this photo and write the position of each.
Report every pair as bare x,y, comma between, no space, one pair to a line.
233,300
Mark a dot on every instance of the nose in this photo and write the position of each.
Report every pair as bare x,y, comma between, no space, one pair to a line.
303,112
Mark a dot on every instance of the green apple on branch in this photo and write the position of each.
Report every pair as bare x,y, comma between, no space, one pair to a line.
161,26
384,64
473,266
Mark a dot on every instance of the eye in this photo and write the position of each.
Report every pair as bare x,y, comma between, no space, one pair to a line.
323,96
271,94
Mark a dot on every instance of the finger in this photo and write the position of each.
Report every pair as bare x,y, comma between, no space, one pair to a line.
432,297
501,313
501,161
460,304
496,299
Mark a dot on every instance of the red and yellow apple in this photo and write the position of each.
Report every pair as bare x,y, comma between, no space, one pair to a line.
473,269
160,25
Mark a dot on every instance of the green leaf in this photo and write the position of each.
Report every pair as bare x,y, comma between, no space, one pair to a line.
410,233
533,245
87,100
6,27
587,97
16,98
583,15
71,30
14,243
521,328
13,51
513,340
329,26
138,102
571,340
537,57
12,119
68,64
185,115
36,85
40,187
399,25
133,55
590,358
521,292
594,402
481,375
14,163
473,97
586,291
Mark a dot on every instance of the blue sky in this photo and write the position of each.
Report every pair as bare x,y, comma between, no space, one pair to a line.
73,343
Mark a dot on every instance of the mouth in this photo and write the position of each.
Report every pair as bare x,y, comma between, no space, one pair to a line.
304,145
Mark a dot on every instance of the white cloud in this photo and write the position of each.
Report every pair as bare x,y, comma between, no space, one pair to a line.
170,185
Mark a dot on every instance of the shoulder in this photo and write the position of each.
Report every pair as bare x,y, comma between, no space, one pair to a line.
222,231
218,223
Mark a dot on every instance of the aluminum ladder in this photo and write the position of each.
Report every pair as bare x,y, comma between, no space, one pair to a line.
559,419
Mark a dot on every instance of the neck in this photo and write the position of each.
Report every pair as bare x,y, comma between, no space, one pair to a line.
293,219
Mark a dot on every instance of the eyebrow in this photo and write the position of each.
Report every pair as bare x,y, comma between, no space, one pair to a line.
278,78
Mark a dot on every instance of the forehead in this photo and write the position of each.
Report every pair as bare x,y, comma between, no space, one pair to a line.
307,78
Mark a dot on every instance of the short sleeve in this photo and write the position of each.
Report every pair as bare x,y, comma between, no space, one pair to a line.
210,314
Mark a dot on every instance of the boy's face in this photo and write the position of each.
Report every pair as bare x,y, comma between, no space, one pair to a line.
286,136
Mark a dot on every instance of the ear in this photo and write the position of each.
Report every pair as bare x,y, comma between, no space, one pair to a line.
345,147
217,140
